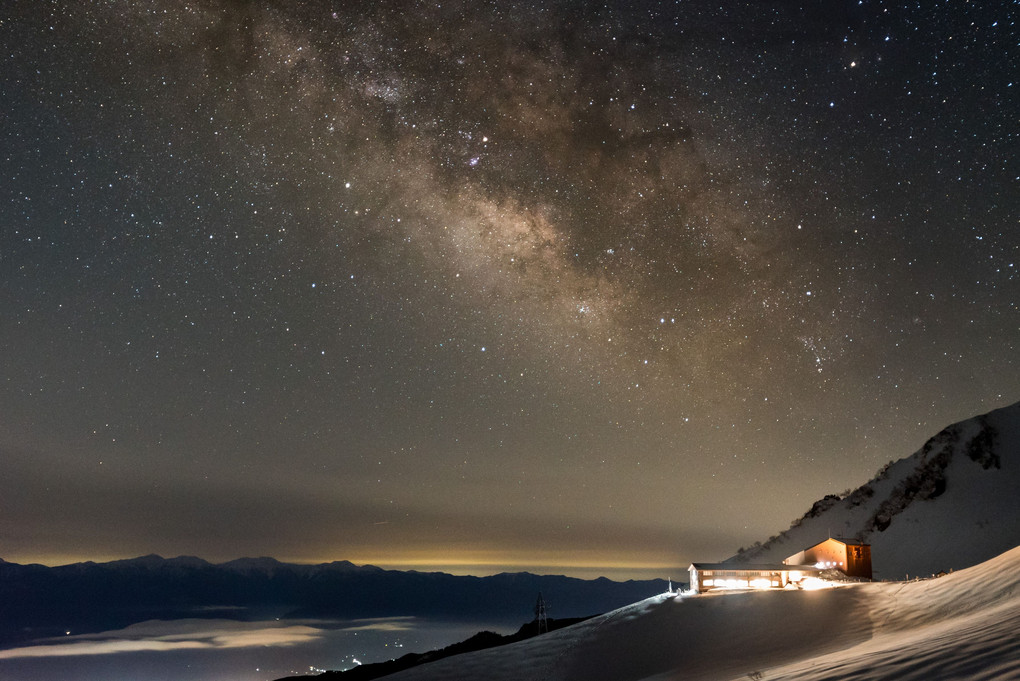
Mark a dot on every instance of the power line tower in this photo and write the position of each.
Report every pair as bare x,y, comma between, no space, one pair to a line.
541,620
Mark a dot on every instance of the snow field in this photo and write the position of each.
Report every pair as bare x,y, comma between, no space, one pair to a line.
961,626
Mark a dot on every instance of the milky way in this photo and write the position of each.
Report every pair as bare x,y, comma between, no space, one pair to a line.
504,284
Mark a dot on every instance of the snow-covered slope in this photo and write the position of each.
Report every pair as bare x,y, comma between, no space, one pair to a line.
952,504
961,626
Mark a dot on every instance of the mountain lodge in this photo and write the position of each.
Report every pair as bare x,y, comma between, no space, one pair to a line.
852,558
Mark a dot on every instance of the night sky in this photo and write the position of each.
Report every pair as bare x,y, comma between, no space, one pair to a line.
585,288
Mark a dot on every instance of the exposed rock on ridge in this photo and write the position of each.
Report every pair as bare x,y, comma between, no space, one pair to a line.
950,505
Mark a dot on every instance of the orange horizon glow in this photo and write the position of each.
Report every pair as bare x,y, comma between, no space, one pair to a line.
478,564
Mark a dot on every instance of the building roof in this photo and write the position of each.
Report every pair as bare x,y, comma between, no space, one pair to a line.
841,540
753,567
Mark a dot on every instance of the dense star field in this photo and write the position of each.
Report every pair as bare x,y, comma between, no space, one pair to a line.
490,285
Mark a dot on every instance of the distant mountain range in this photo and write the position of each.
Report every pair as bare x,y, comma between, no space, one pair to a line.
38,601
952,504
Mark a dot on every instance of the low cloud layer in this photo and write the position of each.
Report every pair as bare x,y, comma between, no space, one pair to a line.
198,634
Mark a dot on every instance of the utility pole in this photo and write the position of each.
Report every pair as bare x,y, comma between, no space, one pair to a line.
540,618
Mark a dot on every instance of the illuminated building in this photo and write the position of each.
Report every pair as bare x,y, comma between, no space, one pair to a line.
802,569
852,558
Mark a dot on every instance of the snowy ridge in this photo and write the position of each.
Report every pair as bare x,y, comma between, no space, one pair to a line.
950,505
961,626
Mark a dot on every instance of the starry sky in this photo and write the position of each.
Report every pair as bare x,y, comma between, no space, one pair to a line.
584,288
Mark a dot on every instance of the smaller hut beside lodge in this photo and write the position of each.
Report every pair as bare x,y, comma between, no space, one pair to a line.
850,557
